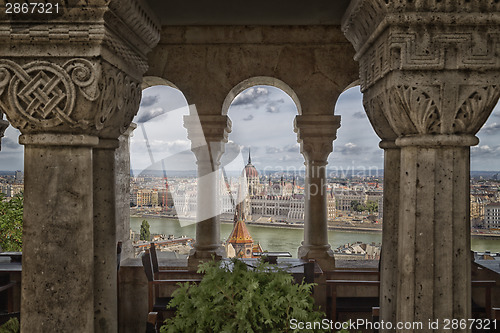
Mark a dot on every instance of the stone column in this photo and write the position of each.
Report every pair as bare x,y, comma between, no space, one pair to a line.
389,253
122,192
58,263
315,134
66,92
208,135
105,288
433,74
434,240
390,228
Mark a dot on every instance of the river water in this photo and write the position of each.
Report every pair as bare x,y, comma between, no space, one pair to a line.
282,239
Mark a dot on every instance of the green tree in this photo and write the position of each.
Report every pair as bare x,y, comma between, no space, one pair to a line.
233,298
11,223
145,233
357,206
372,206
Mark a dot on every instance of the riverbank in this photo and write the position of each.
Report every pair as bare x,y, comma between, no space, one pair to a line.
343,228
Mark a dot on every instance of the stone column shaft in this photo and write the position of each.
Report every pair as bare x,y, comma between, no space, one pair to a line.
122,193
105,288
316,230
389,255
434,236
58,268
208,135
208,226
315,134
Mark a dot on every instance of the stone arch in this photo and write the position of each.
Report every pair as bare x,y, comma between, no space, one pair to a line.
175,104
260,80
149,81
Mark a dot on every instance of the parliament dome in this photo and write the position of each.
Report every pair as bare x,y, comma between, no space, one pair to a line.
250,170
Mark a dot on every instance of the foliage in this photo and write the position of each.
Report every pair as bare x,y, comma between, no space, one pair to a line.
11,326
145,233
372,206
357,206
11,223
232,298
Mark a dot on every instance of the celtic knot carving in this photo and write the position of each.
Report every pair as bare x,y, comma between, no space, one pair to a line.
89,97
43,94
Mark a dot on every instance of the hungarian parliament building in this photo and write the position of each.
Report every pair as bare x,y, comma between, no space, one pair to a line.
264,200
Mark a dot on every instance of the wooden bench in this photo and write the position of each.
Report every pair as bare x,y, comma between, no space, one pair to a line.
7,288
351,304
496,313
487,285
157,303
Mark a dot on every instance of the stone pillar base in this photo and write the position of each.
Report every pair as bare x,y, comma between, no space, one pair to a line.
323,255
197,256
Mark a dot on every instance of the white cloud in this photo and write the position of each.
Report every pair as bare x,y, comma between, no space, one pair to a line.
491,129
149,114
255,96
148,100
349,148
485,151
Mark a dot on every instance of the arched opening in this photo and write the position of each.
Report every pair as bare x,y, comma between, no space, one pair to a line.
485,184
355,175
357,156
11,190
270,171
163,169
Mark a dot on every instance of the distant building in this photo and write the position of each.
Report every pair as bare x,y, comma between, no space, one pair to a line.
11,190
144,197
492,216
19,176
344,199
240,239
278,201
477,204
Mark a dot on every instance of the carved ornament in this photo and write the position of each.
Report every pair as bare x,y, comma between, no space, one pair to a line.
390,35
77,96
428,110
316,134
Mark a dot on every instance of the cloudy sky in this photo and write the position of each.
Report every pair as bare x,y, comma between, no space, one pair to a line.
262,118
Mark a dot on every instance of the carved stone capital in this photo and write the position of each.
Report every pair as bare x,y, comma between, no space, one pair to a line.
121,32
426,67
316,134
394,35
436,105
77,70
207,128
77,96
208,135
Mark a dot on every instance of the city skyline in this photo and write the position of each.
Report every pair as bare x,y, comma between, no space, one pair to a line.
262,119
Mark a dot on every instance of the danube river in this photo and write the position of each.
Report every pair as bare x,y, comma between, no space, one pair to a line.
284,239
